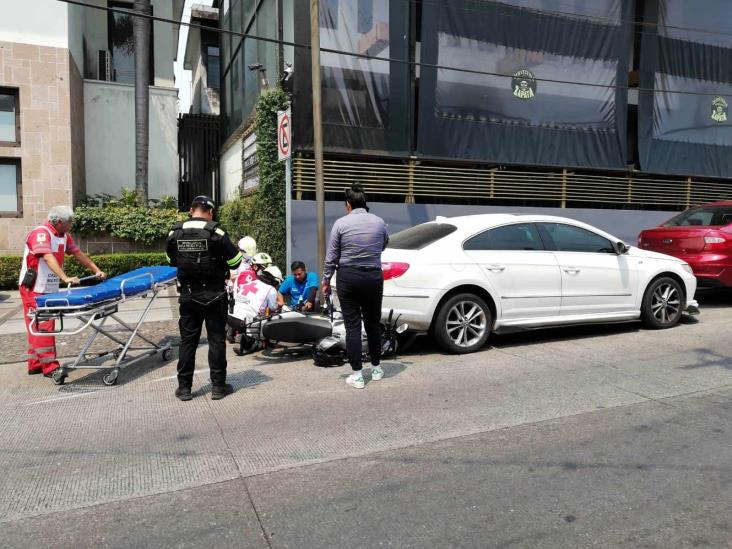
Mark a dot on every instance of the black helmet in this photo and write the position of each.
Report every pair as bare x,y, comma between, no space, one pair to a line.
203,201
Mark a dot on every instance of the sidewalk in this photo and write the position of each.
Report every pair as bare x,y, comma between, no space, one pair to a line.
161,322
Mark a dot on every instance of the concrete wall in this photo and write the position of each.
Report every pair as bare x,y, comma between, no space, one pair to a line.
37,22
625,224
109,113
230,168
165,45
43,75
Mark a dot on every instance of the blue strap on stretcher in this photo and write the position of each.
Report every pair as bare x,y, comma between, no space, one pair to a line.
110,289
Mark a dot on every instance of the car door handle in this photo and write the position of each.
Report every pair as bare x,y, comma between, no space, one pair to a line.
571,270
496,268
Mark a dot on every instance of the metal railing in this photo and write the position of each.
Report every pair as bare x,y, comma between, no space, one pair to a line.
411,180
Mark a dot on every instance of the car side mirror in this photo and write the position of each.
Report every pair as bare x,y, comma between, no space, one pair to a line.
621,248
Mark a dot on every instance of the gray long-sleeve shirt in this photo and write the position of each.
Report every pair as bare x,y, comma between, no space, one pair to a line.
356,240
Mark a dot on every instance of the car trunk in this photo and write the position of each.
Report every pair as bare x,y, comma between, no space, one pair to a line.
674,240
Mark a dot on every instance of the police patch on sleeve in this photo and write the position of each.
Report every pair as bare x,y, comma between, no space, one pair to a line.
524,84
719,109
192,245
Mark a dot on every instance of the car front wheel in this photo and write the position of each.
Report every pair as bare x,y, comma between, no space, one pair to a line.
462,324
662,304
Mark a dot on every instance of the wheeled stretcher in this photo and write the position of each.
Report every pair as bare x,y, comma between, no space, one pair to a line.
92,307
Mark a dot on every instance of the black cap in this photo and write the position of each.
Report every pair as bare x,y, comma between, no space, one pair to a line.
203,200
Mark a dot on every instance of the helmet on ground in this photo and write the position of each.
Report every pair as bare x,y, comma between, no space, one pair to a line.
271,275
248,246
262,259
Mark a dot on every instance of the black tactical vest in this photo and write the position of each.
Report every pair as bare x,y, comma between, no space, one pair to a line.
197,260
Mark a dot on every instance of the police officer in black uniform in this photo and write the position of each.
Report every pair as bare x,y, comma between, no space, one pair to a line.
204,254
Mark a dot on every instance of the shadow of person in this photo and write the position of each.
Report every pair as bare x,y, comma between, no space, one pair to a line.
248,379
708,359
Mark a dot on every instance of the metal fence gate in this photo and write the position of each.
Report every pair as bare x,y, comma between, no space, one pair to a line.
199,141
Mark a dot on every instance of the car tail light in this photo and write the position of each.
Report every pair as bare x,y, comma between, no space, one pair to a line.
394,269
716,242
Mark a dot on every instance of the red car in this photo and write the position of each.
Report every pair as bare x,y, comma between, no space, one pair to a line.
701,236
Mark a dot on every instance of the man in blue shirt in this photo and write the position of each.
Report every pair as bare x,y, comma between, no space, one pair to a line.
301,287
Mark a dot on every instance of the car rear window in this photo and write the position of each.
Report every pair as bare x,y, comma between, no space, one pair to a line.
416,238
703,216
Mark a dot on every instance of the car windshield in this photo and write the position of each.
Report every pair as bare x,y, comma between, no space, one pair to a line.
703,216
416,238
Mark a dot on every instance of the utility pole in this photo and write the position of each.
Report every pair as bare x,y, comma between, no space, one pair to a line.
317,132
141,35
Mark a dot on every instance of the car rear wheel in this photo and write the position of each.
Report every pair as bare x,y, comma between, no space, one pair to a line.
462,324
662,304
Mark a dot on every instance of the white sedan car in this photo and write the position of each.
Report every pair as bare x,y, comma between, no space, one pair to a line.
464,277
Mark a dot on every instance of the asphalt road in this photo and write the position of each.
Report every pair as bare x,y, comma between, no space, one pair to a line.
603,436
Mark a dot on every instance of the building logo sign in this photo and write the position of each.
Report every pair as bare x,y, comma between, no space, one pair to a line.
524,84
719,109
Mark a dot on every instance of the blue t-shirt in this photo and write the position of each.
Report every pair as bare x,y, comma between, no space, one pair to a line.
298,290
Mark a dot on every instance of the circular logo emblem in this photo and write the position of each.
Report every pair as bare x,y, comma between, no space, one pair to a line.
524,84
719,109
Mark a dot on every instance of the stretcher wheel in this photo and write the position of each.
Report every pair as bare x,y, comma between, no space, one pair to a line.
58,378
167,354
110,378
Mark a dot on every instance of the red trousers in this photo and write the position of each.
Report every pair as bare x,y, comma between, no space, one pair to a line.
41,349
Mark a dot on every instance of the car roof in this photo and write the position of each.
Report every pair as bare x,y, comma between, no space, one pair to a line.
719,203
478,222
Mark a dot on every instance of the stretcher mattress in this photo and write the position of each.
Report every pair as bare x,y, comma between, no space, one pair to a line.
137,282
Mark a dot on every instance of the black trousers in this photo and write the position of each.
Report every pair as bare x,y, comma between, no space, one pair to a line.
360,293
195,309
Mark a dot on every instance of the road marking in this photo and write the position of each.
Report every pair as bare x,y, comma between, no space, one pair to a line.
62,397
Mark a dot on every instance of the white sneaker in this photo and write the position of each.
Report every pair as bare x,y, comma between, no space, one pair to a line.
356,381
377,373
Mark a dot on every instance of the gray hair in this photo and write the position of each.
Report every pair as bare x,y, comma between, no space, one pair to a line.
60,214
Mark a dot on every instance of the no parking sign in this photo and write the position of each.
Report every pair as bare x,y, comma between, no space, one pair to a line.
284,135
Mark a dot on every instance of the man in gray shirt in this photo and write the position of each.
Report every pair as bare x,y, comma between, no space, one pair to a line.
354,249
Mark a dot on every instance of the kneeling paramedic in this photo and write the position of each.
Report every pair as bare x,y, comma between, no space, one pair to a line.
252,299
204,255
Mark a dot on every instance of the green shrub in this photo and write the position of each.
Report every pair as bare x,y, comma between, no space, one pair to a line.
237,217
9,271
122,218
262,214
112,264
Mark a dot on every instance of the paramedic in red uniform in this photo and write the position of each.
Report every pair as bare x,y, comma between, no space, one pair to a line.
41,273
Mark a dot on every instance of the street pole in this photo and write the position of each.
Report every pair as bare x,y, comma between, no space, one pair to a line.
317,132
288,211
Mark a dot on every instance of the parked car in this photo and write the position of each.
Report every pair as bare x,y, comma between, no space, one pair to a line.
700,236
464,277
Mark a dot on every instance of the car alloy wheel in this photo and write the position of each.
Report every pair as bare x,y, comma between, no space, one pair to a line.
665,303
466,324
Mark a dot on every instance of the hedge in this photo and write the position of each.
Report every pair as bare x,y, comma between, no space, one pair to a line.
262,215
123,218
112,264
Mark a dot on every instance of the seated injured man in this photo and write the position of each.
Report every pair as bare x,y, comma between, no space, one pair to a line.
253,298
300,289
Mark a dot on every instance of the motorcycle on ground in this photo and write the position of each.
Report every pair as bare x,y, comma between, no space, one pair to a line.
323,334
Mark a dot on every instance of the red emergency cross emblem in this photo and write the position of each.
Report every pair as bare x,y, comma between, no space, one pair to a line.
250,288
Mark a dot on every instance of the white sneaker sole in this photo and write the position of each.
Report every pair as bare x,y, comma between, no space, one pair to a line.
355,384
